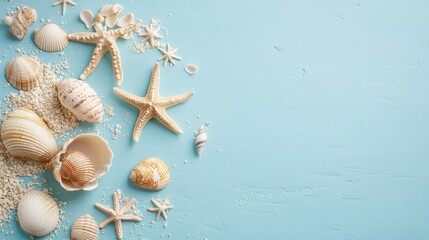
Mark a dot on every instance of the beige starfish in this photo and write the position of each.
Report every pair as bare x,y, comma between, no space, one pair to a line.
64,3
150,35
105,41
161,208
152,105
117,214
169,55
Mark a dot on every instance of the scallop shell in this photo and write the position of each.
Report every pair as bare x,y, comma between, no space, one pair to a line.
200,141
51,38
22,21
38,213
24,72
78,97
26,135
151,173
95,148
77,168
126,20
87,17
84,228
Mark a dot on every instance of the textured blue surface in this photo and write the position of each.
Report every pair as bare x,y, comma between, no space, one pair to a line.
320,115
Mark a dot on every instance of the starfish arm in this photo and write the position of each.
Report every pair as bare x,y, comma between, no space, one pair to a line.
85,37
116,201
153,89
118,227
71,2
141,122
163,51
162,116
104,209
176,57
127,206
152,209
164,214
167,102
97,55
116,63
130,217
129,98
120,32
171,60
166,60
106,222
57,3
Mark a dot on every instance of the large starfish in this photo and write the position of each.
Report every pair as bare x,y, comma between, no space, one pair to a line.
105,41
161,207
64,3
153,106
117,214
168,55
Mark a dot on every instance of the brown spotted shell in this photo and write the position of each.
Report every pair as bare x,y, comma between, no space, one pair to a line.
24,72
151,173
77,168
22,21
84,228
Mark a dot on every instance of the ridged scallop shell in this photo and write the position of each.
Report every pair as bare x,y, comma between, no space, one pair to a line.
22,21
95,148
24,72
38,213
78,97
151,173
200,141
26,135
84,228
77,168
51,38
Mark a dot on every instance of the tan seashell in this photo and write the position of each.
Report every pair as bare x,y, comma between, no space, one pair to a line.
38,213
78,97
24,72
51,38
97,151
77,168
151,173
84,228
26,135
126,20
22,21
111,14
191,68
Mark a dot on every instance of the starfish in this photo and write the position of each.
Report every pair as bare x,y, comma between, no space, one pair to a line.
64,3
117,214
169,55
161,208
152,105
150,35
105,41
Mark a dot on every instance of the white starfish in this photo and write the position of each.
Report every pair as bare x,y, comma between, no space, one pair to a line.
64,2
150,35
169,55
161,208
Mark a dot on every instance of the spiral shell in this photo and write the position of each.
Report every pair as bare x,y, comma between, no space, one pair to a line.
200,141
84,228
22,21
77,168
51,38
78,97
111,13
38,213
151,173
26,135
24,72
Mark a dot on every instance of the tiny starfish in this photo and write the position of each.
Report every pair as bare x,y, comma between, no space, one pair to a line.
118,215
161,208
150,35
169,55
64,3
152,105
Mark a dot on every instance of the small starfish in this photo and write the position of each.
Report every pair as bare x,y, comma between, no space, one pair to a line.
118,215
169,55
161,208
152,105
64,3
150,35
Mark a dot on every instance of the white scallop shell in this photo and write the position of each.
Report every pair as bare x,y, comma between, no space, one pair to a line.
191,68
51,38
38,213
98,151
126,20
84,228
87,17
78,97
200,141
26,135
24,72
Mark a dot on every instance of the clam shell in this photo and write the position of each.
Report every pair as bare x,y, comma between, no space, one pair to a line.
78,97
51,38
126,20
24,72
95,148
87,17
77,168
191,68
38,213
26,135
22,22
84,228
151,173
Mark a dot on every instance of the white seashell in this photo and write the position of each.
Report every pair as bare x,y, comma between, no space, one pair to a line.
8,20
78,97
84,228
26,135
87,17
24,73
51,38
111,14
77,168
95,148
191,68
126,20
151,173
22,21
200,141
38,213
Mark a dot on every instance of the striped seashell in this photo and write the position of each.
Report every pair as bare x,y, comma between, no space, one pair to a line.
22,21
26,135
78,97
200,140
38,213
77,168
24,72
51,38
151,173
84,228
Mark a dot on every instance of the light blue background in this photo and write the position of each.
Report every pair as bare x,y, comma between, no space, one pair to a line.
320,114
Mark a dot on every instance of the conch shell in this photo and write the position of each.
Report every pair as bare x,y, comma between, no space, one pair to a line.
77,168
200,141
20,23
24,72
84,228
151,173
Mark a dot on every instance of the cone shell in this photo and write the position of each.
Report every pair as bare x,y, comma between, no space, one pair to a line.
91,145
22,21
84,228
24,72
78,97
77,168
151,173
51,38
200,141
26,135
38,213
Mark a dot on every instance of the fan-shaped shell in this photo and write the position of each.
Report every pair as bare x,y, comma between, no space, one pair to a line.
151,173
95,148
51,38
38,213
26,135
84,228
24,72
22,21
77,168
78,97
